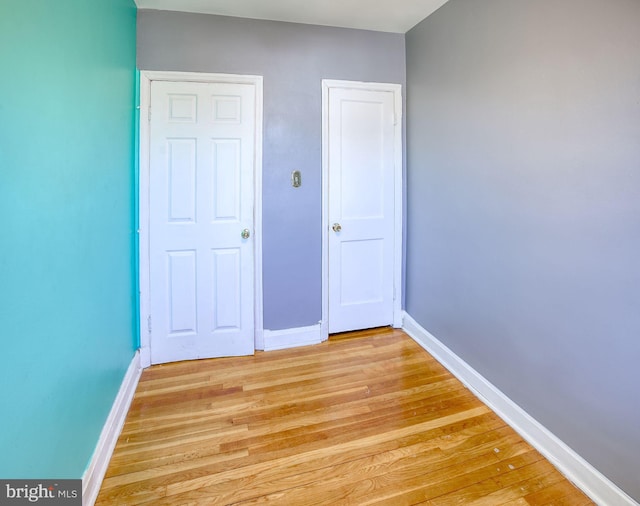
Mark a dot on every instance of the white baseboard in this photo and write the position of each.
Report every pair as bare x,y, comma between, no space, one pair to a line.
290,338
591,481
97,468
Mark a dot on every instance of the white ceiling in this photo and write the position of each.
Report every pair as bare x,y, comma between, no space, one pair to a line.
381,15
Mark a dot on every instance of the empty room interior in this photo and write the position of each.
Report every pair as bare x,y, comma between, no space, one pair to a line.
279,236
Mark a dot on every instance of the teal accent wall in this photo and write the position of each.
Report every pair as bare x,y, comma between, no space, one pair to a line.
67,261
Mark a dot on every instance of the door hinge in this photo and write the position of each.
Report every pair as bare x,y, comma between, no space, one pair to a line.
149,324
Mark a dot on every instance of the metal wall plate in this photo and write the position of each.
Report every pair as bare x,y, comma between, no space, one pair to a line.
296,179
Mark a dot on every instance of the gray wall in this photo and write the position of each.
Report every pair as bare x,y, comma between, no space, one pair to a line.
523,226
293,59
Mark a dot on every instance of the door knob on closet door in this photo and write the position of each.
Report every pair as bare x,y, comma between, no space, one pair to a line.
245,233
337,227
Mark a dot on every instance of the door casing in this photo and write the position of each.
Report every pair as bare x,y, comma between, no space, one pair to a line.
146,77
396,89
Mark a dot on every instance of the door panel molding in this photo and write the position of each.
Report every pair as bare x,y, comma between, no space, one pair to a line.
146,78
396,89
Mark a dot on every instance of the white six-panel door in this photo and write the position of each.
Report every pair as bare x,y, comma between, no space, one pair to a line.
201,220
361,150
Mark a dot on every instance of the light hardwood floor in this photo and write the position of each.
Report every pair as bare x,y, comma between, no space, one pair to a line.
366,418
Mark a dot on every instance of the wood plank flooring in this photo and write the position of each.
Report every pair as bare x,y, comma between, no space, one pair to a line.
366,418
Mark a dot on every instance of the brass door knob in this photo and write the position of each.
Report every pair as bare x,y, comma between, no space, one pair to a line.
336,227
245,233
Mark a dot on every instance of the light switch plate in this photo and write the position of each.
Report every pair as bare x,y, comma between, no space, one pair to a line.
296,179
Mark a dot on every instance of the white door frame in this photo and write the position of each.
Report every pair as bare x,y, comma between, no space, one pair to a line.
396,89
146,77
